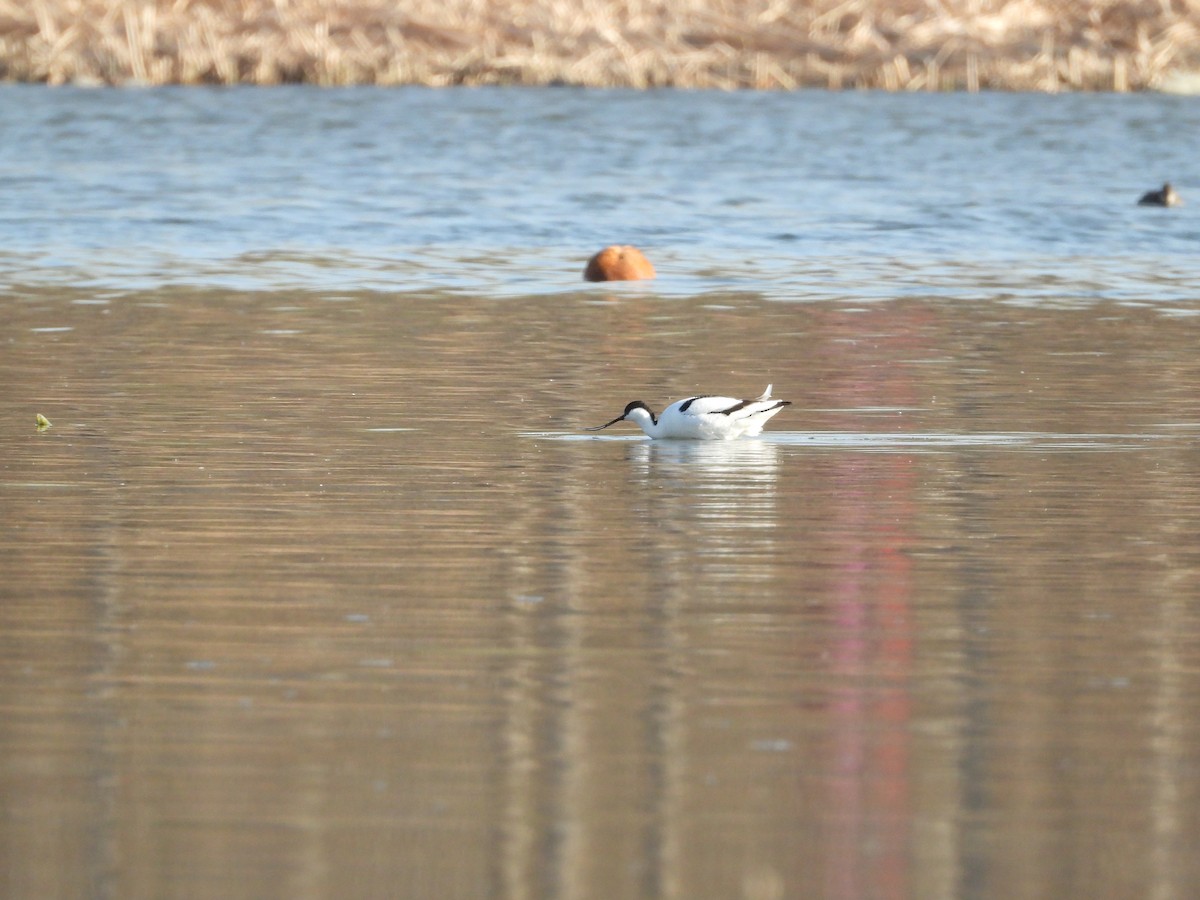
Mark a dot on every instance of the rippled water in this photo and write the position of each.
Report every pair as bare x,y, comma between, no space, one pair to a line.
317,587
807,195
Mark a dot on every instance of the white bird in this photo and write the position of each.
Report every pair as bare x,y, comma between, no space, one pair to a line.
703,418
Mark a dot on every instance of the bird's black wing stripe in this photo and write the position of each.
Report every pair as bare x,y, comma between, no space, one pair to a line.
690,401
742,404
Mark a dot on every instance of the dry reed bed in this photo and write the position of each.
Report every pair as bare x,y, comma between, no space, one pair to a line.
1043,45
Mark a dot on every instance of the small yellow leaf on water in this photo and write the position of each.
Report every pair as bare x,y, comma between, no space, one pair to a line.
42,422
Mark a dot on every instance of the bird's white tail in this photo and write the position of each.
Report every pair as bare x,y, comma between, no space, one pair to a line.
766,395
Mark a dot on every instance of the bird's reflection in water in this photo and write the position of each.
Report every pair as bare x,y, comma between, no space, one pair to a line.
712,503
709,465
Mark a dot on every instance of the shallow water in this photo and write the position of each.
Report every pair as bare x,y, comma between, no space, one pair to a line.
316,586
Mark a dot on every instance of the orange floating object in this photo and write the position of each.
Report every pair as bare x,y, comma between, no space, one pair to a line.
618,263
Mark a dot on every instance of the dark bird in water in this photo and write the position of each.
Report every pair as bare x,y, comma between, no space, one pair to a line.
1168,196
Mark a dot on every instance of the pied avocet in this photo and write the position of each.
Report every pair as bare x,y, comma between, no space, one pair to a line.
703,418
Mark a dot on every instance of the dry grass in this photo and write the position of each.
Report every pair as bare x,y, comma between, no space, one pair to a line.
1043,45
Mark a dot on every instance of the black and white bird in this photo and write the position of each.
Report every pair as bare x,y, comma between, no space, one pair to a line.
703,418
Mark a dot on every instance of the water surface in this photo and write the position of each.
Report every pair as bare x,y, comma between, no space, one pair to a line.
317,587
801,195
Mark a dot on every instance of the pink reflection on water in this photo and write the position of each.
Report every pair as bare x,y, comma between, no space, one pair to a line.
871,657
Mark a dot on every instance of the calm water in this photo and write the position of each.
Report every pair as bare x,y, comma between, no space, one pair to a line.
316,587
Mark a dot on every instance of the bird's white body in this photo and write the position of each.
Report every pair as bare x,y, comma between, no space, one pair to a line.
703,418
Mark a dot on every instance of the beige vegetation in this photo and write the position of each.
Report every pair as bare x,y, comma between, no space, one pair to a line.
1042,45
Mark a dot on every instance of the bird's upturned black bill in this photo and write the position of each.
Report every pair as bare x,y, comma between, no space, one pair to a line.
606,424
